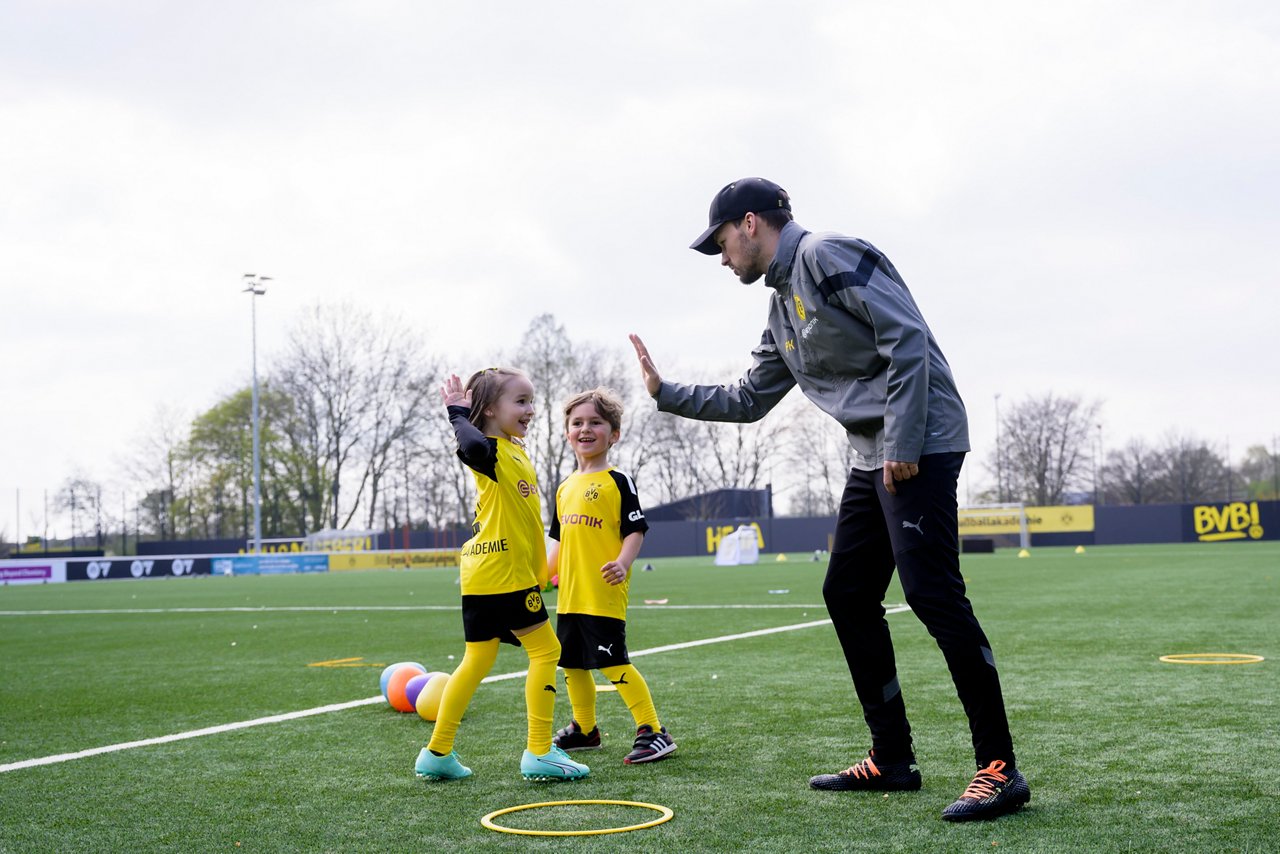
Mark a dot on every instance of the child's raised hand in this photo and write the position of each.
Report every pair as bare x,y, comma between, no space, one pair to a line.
613,573
452,394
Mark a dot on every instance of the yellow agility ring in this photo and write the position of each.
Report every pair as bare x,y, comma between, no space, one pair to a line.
488,822
1212,658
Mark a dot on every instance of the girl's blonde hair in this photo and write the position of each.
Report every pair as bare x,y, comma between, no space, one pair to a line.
486,387
606,401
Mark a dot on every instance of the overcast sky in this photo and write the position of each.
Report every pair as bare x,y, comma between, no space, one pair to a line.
1081,195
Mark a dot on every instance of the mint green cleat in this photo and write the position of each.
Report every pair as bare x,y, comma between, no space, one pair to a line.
432,767
555,764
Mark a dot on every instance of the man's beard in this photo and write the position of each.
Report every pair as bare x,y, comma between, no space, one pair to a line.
752,269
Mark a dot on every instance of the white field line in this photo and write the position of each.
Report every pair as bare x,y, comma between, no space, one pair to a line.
246,609
233,609
368,701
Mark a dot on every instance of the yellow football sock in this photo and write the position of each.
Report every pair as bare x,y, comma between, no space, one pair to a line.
582,694
476,663
635,693
540,685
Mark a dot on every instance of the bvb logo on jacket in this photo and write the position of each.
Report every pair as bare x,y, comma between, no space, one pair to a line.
592,493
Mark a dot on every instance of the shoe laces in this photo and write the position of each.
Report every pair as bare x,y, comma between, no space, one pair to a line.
985,781
866,769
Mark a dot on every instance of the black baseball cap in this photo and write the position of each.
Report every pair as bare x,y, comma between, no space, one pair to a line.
744,196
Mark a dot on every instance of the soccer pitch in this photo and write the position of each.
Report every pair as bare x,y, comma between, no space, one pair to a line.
1123,752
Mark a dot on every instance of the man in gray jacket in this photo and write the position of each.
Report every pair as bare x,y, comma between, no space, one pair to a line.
844,328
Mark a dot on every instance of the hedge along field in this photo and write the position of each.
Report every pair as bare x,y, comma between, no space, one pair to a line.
1123,751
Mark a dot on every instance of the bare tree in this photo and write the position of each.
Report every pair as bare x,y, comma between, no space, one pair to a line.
676,463
740,455
1132,472
359,386
1046,446
546,355
160,466
322,373
81,496
401,387
558,369
446,490
816,458
1190,470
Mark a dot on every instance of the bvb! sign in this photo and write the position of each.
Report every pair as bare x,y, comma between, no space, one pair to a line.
1237,520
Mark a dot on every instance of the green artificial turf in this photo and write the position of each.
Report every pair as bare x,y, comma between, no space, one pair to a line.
1123,752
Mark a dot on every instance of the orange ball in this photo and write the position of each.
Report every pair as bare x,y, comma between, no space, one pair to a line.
395,687
428,705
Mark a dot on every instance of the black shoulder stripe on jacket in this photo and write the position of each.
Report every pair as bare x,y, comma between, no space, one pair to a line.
859,278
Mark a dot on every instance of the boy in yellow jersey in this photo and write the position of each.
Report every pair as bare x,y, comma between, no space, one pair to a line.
503,568
596,533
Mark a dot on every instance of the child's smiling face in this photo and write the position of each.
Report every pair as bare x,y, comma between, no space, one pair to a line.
589,434
512,412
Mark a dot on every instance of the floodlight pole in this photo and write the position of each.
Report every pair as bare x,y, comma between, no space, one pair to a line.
1275,469
255,286
999,458
1230,495
1099,473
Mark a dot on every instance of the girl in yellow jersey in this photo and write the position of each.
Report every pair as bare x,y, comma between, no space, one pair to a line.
596,533
504,565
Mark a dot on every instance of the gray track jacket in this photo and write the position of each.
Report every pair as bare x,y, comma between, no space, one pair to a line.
843,326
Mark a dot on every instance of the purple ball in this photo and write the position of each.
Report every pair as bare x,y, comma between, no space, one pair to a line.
414,687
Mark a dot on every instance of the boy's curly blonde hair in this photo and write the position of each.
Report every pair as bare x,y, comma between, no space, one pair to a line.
606,401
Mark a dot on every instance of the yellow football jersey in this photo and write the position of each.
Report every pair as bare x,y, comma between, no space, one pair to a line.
594,513
507,551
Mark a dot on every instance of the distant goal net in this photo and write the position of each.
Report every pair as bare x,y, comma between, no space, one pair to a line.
1004,523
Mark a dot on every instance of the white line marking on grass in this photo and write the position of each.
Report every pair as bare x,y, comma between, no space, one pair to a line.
234,609
195,733
369,701
722,607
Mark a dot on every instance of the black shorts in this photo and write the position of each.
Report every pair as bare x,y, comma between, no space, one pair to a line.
588,642
497,615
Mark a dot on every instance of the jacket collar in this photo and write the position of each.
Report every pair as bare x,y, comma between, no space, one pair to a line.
779,272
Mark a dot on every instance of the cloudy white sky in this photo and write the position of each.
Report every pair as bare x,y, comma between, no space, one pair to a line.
1084,197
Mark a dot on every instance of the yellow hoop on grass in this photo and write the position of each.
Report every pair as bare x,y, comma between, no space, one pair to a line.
488,822
1212,658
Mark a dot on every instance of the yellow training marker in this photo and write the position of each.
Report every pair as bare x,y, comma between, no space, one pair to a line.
1212,658
666,814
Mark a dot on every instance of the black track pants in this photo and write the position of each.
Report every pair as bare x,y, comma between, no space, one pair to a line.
916,532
